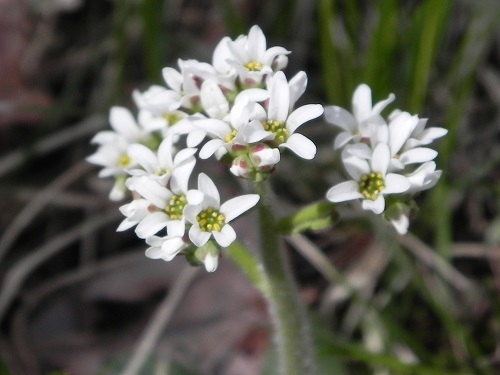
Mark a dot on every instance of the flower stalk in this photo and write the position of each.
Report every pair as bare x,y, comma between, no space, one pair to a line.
292,332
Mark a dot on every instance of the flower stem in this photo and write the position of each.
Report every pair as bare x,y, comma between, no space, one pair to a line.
292,331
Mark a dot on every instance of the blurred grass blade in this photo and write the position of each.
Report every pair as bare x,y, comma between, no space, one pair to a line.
154,36
431,19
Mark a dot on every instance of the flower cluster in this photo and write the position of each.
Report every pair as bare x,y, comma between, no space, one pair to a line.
387,160
239,108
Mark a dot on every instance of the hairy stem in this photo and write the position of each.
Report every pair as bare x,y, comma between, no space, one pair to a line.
292,331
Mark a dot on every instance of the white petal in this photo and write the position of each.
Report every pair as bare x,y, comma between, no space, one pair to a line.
144,156
340,117
279,97
379,107
361,150
401,224
210,147
151,224
345,191
362,102
301,145
380,159
395,183
342,139
236,206
354,165
194,197
400,129
152,191
226,236
418,155
154,253
256,43
211,262
208,188
254,95
126,224
377,206
213,100
302,115
297,85
198,237
123,122
431,134
191,211
217,128
220,56
176,228
165,153
195,137
173,78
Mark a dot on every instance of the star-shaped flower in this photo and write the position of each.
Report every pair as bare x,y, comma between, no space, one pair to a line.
370,180
281,124
210,218
357,125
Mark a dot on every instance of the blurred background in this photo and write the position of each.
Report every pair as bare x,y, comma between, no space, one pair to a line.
76,296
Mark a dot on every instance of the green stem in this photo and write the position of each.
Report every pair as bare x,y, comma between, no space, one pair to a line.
292,332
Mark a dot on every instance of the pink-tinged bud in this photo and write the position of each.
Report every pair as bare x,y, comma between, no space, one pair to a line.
238,148
264,157
241,167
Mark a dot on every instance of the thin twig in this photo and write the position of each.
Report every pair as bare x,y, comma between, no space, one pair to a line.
84,128
39,201
15,277
152,333
310,251
428,256
20,339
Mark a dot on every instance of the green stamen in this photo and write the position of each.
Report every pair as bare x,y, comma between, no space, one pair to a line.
278,129
176,206
211,220
371,185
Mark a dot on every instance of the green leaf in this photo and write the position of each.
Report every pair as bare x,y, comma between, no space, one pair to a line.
316,216
249,265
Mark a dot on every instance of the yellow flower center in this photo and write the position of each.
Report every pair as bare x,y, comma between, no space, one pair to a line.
172,118
229,138
124,161
371,185
254,66
278,129
162,172
176,206
211,220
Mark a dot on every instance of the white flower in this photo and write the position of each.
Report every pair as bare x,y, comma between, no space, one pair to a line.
357,125
165,248
134,212
424,136
255,162
211,262
162,164
170,206
281,124
236,130
370,180
112,153
398,215
424,177
249,56
210,218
